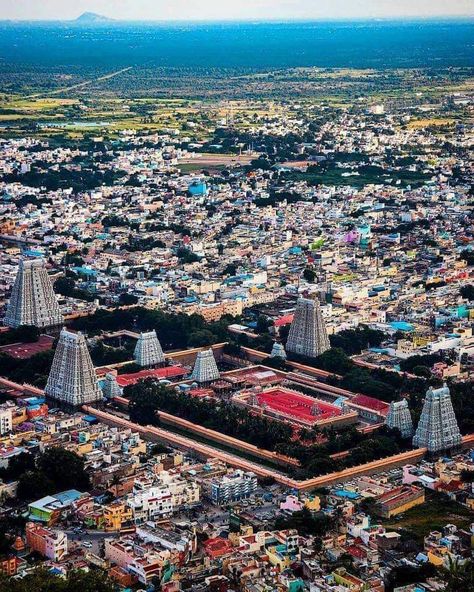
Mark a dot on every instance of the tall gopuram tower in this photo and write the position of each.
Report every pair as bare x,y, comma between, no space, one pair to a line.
399,417
308,336
437,429
33,301
72,379
148,350
205,367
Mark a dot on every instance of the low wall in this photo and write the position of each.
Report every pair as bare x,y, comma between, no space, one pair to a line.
157,434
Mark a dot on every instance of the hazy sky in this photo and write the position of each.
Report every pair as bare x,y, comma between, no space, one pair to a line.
232,9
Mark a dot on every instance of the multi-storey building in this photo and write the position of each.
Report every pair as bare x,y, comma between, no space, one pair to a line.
437,429
163,498
399,417
33,301
48,543
205,367
233,487
72,379
6,420
148,350
307,336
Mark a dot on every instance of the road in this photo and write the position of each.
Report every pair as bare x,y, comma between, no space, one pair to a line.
81,84
95,537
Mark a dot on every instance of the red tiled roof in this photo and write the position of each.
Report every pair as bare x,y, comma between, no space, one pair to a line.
284,320
370,403
297,405
23,351
158,373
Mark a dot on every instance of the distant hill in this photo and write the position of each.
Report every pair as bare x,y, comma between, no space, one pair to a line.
92,17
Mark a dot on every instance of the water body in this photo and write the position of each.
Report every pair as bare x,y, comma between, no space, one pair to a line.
374,44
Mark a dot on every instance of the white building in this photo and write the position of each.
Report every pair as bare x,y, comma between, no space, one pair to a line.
6,420
233,487
163,498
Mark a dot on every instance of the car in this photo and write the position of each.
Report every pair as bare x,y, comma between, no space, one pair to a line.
87,544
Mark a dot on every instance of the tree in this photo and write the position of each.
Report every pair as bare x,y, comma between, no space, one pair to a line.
230,269
309,275
263,324
334,360
34,485
186,256
305,523
143,405
64,286
27,333
459,576
126,299
467,292
43,580
64,468
201,338
18,465
403,575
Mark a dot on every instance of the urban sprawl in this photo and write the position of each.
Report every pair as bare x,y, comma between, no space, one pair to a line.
237,352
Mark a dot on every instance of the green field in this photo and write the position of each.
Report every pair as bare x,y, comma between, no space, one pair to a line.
437,511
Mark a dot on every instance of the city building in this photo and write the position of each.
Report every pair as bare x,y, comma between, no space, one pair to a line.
148,350
437,429
399,500
72,379
399,417
205,367
233,487
33,301
48,543
6,419
169,492
307,336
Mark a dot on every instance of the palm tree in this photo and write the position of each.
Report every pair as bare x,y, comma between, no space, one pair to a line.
115,483
459,575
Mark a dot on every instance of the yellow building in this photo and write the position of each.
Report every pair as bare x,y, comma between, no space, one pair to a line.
278,557
116,516
313,503
347,580
399,500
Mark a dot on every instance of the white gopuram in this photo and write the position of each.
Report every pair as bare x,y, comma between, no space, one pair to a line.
399,417
72,378
148,350
438,428
205,367
278,351
111,387
307,336
33,301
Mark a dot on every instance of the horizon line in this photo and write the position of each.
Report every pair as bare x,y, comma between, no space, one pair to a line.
110,20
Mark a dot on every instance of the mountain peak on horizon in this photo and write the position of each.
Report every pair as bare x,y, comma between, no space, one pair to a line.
92,17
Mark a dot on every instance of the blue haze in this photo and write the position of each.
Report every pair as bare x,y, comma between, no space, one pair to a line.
359,44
